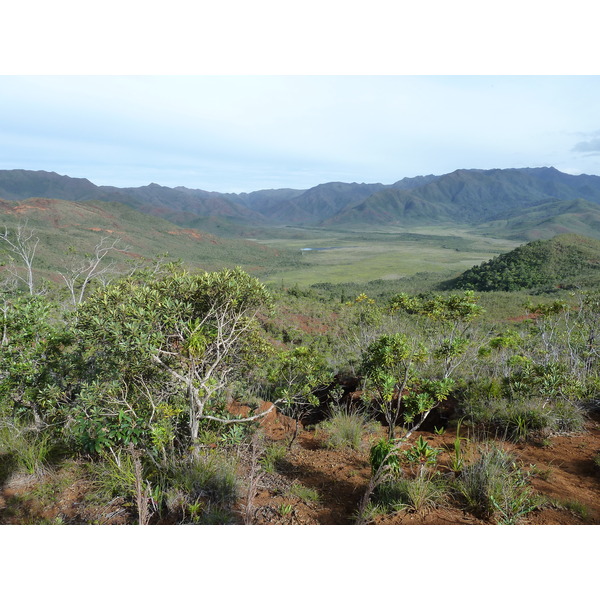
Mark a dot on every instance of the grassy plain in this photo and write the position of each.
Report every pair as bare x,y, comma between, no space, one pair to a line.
338,256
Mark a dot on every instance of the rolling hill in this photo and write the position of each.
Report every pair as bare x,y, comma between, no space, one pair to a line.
64,224
564,261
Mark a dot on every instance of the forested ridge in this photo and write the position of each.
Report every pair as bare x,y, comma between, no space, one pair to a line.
565,260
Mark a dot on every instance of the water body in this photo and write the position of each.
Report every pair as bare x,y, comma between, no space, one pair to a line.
327,248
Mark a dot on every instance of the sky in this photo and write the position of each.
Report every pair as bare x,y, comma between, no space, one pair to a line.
236,96
249,132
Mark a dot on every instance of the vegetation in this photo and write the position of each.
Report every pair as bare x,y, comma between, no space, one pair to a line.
157,382
565,261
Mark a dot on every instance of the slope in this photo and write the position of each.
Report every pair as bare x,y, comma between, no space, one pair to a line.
62,225
564,261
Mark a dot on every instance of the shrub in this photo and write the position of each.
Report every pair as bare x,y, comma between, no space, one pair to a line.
426,490
345,428
385,453
272,457
495,487
303,493
203,488
27,450
519,418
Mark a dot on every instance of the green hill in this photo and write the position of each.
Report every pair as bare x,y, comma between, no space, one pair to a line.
62,224
563,261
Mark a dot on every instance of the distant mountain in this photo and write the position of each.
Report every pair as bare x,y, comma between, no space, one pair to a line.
19,184
321,202
545,220
469,197
517,203
563,261
409,183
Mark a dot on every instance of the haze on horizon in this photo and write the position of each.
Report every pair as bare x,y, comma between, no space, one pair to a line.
245,133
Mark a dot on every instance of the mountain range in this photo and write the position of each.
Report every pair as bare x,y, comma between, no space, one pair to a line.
527,203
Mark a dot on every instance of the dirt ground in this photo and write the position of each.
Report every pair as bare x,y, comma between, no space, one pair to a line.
562,469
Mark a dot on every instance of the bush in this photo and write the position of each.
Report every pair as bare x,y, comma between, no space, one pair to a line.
385,453
304,493
345,428
203,489
495,488
27,450
426,490
272,458
519,418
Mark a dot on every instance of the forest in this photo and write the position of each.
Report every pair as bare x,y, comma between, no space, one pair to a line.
160,394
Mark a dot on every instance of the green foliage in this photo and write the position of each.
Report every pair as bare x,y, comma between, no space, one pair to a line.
563,259
296,376
272,457
28,450
422,453
306,494
388,367
446,309
419,493
457,460
496,488
345,428
203,489
164,347
32,359
384,454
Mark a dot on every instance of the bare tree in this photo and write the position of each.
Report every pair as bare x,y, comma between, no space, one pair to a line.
22,243
81,271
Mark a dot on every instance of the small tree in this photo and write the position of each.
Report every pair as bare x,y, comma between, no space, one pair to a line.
78,273
297,375
174,344
31,357
21,243
392,363
446,321
388,367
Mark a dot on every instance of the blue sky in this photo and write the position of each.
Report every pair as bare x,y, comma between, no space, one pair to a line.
237,96
243,133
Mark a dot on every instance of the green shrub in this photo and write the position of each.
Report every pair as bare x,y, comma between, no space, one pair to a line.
519,418
302,492
494,487
210,476
272,458
345,428
202,489
385,453
27,450
426,490
113,476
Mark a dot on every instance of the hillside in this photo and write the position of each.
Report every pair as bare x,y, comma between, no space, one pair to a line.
563,261
63,224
